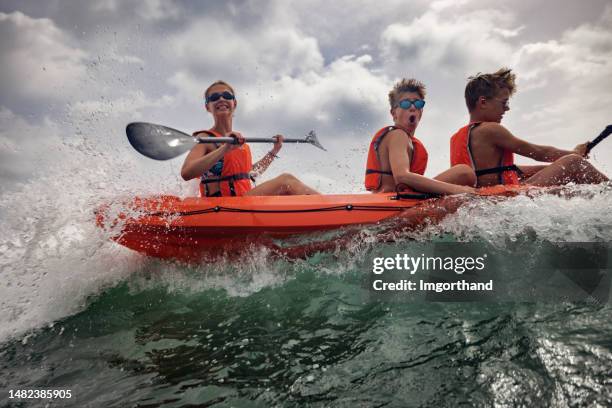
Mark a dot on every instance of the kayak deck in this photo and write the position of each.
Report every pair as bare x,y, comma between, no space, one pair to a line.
194,228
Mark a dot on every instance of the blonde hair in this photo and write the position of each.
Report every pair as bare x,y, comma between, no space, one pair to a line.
406,85
488,85
219,82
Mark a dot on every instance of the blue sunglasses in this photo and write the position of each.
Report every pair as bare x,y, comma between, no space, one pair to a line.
218,95
406,103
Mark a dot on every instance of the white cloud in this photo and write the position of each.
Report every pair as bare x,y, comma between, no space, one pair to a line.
449,44
509,33
440,5
343,95
582,52
45,66
39,60
567,81
322,96
210,48
279,76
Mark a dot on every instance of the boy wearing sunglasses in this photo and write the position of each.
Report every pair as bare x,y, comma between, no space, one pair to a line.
488,147
397,159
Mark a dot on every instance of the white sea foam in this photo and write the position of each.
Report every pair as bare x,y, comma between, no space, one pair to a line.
578,214
54,258
52,255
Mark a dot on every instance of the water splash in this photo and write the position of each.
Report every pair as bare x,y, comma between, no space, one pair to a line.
54,259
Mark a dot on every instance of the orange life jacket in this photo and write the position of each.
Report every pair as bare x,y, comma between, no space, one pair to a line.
234,178
373,175
461,153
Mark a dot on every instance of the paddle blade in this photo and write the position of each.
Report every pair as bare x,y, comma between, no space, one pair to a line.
312,139
158,142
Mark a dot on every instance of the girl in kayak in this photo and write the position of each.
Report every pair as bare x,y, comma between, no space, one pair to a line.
488,147
396,158
227,169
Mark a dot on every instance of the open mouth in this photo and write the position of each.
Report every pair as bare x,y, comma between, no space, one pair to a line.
412,119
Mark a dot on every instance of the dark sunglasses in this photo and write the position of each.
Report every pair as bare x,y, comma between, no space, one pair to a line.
406,103
218,95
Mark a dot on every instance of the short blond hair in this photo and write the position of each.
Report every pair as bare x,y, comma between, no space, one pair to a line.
488,85
406,85
219,82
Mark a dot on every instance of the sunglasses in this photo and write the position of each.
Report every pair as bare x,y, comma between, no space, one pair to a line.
406,103
218,95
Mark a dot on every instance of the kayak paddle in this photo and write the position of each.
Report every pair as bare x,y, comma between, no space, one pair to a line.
163,143
605,133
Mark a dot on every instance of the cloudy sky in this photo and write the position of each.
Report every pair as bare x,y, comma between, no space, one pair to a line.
75,73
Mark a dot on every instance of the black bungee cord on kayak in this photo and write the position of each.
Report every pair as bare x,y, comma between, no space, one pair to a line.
345,207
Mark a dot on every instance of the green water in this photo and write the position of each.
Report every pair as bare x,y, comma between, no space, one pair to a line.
120,330
315,338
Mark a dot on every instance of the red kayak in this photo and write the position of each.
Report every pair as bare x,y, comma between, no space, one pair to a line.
192,229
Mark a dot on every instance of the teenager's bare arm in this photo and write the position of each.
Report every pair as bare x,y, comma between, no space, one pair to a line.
263,164
506,140
399,161
198,161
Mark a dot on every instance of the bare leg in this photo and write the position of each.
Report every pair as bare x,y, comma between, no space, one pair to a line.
460,174
285,184
570,168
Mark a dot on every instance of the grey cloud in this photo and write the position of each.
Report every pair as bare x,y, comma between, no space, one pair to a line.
25,149
436,42
344,27
211,47
151,17
288,62
43,63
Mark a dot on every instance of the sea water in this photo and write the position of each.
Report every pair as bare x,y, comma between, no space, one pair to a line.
81,313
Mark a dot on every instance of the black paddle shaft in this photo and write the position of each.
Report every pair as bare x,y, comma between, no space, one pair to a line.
605,133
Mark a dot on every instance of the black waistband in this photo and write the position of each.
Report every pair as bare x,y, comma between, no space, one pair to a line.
373,171
500,169
233,177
